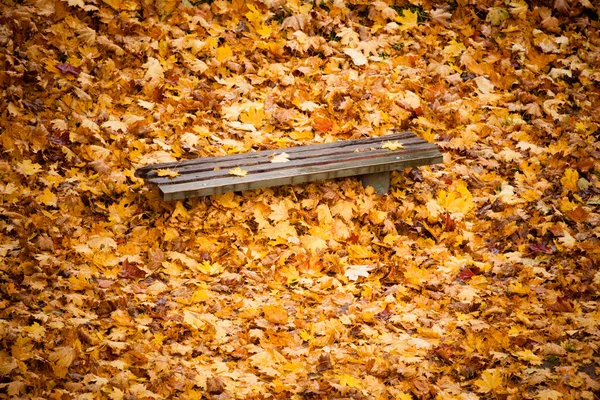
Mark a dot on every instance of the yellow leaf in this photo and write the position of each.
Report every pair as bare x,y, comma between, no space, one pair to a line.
307,337
496,16
350,381
36,331
454,49
60,360
224,53
201,295
194,320
115,125
27,168
48,198
408,19
518,288
170,234
457,201
357,251
395,145
343,209
549,394
529,356
167,172
254,116
227,200
264,31
490,380
237,171
569,180
313,243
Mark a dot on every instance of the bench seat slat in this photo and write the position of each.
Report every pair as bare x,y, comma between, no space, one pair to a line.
299,175
149,170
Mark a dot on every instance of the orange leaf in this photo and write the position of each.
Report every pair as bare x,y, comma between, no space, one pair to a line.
323,124
275,314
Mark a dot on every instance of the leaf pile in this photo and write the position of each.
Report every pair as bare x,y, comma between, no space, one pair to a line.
478,278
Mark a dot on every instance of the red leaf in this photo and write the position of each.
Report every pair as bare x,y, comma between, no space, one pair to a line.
130,271
61,138
449,222
541,248
468,273
68,69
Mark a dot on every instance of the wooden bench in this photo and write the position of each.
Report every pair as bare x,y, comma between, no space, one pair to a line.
371,158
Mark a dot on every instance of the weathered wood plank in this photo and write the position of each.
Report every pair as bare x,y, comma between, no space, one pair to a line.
298,175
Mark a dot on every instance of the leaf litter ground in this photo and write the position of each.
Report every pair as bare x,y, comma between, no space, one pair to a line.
477,278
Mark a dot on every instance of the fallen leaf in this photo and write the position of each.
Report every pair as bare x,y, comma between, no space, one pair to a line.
281,158
237,171
393,146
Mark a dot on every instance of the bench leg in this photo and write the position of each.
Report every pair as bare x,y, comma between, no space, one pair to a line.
380,181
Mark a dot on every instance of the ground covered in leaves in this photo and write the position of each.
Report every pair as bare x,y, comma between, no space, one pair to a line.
475,278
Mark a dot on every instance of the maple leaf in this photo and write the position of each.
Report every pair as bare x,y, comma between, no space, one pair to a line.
549,394
48,198
68,68
353,272
497,15
115,125
275,314
28,168
167,172
358,58
224,53
529,356
408,19
490,380
281,158
131,271
484,85
237,171
570,180
393,146
61,359
154,71
349,381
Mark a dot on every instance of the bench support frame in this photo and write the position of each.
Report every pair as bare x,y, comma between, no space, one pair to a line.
380,181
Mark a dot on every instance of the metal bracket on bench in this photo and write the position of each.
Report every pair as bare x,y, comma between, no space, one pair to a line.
379,180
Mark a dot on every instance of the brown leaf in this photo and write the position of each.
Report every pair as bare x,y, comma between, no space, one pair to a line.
561,304
68,69
34,106
131,271
324,362
215,385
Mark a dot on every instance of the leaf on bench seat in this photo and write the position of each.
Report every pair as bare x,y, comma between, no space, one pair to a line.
167,172
237,171
395,145
281,158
